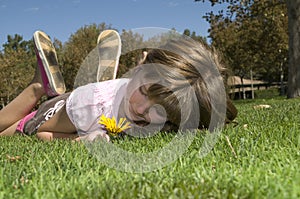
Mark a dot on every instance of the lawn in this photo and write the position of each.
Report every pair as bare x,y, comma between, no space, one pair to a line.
257,158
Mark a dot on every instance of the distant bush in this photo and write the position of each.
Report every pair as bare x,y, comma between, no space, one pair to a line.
267,94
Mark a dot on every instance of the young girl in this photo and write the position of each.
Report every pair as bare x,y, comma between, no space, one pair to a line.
176,87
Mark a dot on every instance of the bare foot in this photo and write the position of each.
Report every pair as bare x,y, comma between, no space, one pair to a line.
37,76
39,90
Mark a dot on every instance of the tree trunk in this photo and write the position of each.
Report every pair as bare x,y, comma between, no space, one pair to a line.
252,87
294,48
243,88
282,90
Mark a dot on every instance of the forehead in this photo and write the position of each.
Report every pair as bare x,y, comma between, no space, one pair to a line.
150,71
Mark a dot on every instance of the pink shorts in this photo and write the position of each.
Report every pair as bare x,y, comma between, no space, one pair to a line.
23,121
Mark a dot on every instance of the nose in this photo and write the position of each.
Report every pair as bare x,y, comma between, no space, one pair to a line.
143,108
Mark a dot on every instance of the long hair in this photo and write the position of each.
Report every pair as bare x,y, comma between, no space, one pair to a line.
191,71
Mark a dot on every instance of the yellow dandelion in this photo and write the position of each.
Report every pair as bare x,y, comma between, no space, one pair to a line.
113,128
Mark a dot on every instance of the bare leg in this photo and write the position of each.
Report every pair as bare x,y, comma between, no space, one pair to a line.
58,127
48,136
10,130
59,123
21,105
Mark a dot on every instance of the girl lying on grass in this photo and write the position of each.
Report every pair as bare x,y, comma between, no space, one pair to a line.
176,87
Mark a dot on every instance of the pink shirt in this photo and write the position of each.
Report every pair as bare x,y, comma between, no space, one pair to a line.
87,103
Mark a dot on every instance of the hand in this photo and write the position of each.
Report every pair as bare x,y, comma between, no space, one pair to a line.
93,136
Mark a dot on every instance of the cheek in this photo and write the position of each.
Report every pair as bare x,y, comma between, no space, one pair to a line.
133,98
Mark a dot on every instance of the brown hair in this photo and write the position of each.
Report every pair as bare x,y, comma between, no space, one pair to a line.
188,68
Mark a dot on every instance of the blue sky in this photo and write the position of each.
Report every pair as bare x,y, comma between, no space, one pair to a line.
61,18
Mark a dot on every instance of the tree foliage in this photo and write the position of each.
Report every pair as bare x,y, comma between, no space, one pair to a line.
252,35
17,65
276,37
131,51
76,49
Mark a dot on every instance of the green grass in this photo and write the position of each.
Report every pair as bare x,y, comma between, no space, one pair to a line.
258,158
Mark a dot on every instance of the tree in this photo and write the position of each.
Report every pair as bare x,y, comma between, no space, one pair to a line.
193,35
17,65
134,43
75,52
294,49
278,42
252,36
132,49
15,42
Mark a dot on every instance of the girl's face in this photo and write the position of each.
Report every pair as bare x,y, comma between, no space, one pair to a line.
141,109
138,107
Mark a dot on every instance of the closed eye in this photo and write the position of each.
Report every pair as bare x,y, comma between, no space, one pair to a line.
143,90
